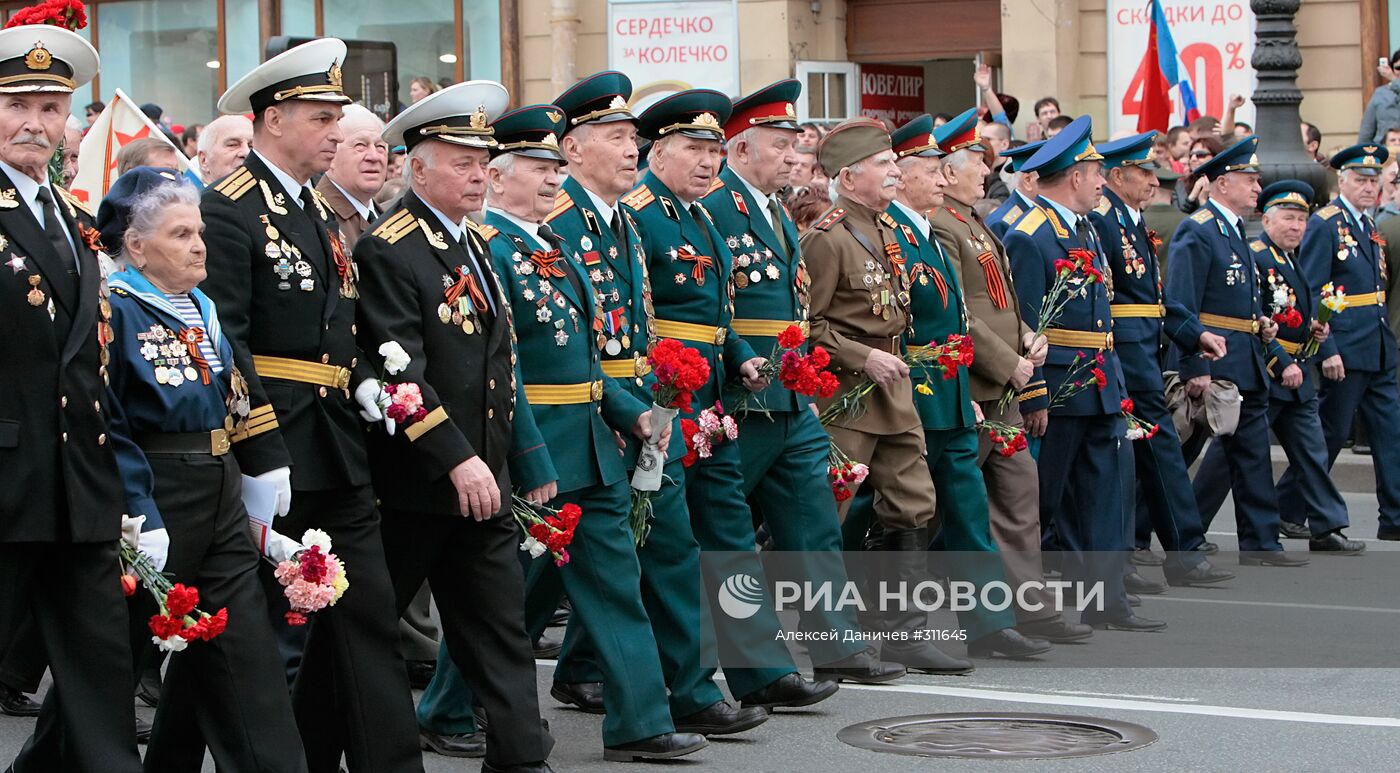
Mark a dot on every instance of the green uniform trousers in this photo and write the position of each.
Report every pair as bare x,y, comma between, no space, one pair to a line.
784,460
962,522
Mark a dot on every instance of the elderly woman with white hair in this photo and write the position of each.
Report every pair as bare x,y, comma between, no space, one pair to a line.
178,401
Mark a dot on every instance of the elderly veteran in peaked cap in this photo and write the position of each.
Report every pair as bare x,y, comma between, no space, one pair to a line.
1023,190
442,476
62,504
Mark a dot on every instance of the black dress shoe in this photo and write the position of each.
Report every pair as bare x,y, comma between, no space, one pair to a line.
861,668
790,692
143,731
1201,574
585,696
546,648
1209,548
561,614
1272,558
658,747
722,718
454,744
1134,600
1130,622
1145,557
1290,530
1136,583
16,703
420,672
529,767
1336,543
1388,535
1056,630
1362,449
1008,644
148,689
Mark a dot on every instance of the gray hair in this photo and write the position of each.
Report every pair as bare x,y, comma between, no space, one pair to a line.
213,132
422,150
833,184
959,159
354,117
148,211
503,163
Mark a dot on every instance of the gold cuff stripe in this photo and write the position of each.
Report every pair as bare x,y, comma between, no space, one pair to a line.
564,394
1138,310
435,417
1291,347
1034,393
317,373
252,429
689,331
1230,323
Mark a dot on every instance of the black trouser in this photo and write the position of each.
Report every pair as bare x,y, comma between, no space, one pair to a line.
351,692
226,692
73,592
476,579
22,667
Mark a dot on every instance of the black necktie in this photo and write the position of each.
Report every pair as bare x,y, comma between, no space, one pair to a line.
373,216
695,215
57,235
616,225
775,214
308,202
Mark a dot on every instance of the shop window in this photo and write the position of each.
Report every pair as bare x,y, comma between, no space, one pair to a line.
828,91
164,52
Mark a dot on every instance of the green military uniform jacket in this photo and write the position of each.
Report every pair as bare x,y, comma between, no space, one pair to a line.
771,284
556,317
691,268
936,302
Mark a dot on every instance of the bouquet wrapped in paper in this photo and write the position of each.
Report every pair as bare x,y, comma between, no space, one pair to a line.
680,370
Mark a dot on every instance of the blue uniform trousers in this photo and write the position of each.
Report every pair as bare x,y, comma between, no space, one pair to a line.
1251,474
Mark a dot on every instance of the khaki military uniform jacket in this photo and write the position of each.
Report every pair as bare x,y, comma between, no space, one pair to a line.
993,310
860,301
352,223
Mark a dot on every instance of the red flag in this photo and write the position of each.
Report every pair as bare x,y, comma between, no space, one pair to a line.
1155,109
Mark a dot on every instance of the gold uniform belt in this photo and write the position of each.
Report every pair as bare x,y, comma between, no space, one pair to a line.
633,368
1291,347
564,394
1230,323
771,328
1138,310
318,373
1367,299
688,331
1079,339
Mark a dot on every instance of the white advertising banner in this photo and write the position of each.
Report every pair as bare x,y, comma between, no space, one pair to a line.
669,47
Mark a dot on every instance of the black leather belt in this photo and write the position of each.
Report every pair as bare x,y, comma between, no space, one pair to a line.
213,443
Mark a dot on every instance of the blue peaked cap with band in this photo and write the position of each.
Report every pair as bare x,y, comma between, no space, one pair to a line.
1130,151
1064,150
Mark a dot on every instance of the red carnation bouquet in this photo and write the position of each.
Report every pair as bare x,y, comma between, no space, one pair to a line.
68,14
680,370
1077,380
846,474
954,353
804,374
180,621
546,530
1007,439
1070,275
1137,428
312,577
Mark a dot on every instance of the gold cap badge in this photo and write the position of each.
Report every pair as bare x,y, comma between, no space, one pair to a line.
38,58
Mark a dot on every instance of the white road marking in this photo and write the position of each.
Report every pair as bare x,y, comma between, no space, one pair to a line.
1238,712
1286,604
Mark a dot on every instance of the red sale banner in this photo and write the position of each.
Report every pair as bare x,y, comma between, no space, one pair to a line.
1214,40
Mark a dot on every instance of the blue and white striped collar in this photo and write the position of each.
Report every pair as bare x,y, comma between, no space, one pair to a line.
139,287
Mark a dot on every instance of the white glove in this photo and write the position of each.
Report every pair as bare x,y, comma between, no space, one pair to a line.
156,545
281,478
280,548
372,399
131,530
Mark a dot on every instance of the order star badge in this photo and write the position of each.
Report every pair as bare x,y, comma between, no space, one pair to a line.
17,264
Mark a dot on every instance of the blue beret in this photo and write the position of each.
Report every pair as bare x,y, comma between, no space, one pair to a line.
114,213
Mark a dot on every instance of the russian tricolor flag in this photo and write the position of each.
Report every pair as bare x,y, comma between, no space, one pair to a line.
1160,76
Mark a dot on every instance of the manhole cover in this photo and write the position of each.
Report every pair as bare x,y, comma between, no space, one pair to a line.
997,735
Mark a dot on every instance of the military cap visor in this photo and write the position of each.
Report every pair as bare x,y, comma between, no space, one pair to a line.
698,113
1290,194
310,71
1130,151
533,131
1071,146
1366,160
852,140
599,98
42,58
1239,157
460,114
771,106
915,138
961,133
1018,156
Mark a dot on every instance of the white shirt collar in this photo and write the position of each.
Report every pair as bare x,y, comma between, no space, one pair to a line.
920,221
454,229
604,209
1070,218
289,182
1355,213
28,189
533,229
1225,214
361,207
754,192
1135,215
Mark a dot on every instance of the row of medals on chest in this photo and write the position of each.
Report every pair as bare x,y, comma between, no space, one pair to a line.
611,338
169,355
286,260
749,267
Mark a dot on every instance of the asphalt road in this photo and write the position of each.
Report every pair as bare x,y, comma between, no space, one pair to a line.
1293,697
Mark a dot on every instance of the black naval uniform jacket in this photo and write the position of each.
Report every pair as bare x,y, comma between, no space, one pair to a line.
410,263
60,479
273,271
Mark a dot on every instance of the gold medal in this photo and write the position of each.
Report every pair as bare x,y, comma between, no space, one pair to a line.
468,327
741,280
34,280
444,313
626,341
36,297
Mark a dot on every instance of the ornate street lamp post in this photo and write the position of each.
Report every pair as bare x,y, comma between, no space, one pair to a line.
1276,61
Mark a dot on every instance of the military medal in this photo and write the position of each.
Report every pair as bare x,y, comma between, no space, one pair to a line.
35,297
444,313
585,242
772,271
755,276
162,375
16,263
612,252
270,229
308,285
741,280
468,327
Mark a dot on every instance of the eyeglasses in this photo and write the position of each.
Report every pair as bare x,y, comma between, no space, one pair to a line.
1201,154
